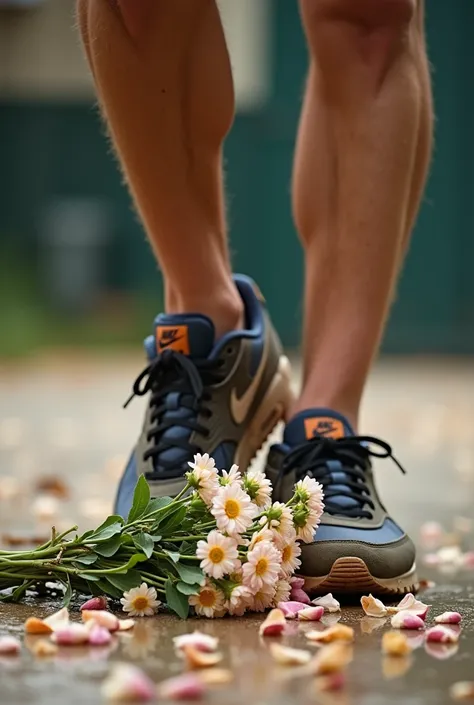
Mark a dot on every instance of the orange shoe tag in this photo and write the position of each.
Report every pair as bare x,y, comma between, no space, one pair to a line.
323,426
173,338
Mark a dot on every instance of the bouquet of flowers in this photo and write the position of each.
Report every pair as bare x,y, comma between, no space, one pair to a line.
221,546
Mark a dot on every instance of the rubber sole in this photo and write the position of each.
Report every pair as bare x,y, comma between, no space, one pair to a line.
350,576
275,404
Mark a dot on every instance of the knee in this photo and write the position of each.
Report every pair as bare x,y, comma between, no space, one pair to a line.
341,31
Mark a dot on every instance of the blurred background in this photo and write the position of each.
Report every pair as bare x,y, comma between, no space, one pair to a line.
79,287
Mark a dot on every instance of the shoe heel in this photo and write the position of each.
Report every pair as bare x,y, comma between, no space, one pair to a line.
274,408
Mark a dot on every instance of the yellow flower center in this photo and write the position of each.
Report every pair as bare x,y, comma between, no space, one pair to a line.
207,598
286,555
216,554
261,567
232,508
140,603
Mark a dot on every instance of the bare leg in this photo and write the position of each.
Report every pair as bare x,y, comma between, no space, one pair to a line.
164,82
361,162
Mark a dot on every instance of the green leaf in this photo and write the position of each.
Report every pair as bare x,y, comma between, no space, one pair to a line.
89,577
190,574
156,537
109,548
68,593
173,521
125,582
145,543
86,559
174,556
111,526
157,503
176,601
136,558
141,498
167,512
186,589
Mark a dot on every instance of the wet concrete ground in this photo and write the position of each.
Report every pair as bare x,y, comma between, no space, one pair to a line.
62,419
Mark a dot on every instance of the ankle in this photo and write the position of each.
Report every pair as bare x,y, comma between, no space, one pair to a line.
222,304
316,401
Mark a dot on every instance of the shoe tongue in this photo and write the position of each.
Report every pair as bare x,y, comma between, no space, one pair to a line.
190,334
316,422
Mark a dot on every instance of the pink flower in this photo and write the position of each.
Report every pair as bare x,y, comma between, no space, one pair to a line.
291,608
95,603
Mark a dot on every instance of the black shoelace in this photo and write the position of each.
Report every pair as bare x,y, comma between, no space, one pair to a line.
188,379
350,480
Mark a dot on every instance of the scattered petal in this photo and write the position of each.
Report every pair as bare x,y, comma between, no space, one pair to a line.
200,641
274,624
44,649
373,607
126,624
395,644
216,676
411,604
99,636
331,682
291,608
45,507
468,560
195,658
339,632
407,620
464,690
448,618
431,534
104,619
442,635
311,614
127,683
96,603
71,635
188,686
289,657
9,646
58,619
396,666
332,658
34,625
329,603
371,624
441,652
297,583
299,595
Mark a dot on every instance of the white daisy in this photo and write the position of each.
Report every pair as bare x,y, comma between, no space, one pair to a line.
233,509
310,492
203,477
259,536
279,518
238,600
282,591
219,555
233,477
262,567
262,599
290,552
209,602
306,523
259,488
140,601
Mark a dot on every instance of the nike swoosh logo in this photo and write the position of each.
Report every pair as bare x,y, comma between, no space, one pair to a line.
167,343
240,406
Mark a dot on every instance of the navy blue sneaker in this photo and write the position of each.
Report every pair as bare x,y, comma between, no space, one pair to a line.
221,397
357,548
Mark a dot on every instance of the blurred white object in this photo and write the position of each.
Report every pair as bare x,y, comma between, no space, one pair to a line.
45,507
12,431
431,534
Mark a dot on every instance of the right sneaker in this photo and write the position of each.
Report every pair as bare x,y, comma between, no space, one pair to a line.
222,397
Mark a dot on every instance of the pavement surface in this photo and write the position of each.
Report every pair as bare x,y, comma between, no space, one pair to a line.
63,442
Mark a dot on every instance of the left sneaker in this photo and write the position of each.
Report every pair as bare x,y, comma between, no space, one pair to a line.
357,548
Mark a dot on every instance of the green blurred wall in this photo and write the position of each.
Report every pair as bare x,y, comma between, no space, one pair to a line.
49,151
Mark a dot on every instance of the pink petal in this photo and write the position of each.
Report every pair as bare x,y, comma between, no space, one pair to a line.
441,652
9,646
431,534
96,603
105,619
311,614
332,682
274,624
99,636
407,620
448,618
297,583
185,687
468,560
290,609
128,683
442,635
201,642
411,604
299,595
71,635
